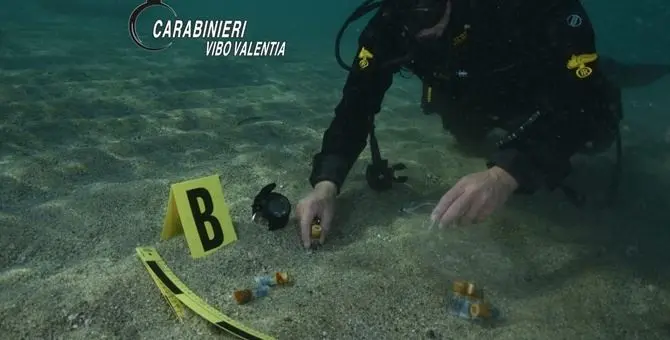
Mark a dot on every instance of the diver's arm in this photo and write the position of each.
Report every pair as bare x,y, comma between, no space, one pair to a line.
363,92
540,155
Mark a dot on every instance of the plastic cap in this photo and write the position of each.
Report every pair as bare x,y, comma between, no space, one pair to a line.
480,310
242,296
281,278
316,231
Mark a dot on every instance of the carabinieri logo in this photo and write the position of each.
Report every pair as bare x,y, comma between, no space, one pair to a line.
574,20
223,37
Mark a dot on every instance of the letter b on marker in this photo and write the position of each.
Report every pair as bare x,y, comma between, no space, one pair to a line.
197,208
203,217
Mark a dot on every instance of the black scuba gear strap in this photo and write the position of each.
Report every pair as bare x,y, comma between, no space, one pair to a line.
379,175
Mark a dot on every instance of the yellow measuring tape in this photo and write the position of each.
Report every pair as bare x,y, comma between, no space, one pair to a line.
178,295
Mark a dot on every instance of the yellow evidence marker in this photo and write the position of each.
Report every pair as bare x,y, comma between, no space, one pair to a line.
178,295
197,208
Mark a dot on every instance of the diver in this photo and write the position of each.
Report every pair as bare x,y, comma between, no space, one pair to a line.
524,67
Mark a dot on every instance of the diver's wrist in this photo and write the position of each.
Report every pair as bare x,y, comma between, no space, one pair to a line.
503,176
326,187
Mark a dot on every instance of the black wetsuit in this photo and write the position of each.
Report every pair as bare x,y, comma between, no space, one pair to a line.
503,64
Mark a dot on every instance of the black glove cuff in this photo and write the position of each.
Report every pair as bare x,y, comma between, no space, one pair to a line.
329,168
520,167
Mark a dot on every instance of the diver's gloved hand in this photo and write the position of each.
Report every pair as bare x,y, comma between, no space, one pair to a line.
319,203
474,197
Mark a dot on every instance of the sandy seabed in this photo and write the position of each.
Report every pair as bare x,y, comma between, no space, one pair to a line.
90,141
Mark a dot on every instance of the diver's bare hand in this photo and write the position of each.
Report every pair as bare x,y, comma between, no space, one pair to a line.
319,203
475,197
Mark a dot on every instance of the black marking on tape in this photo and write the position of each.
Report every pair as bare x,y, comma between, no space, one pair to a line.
176,291
164,278
234,330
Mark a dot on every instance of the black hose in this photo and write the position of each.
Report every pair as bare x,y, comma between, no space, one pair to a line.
616,175
366,7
